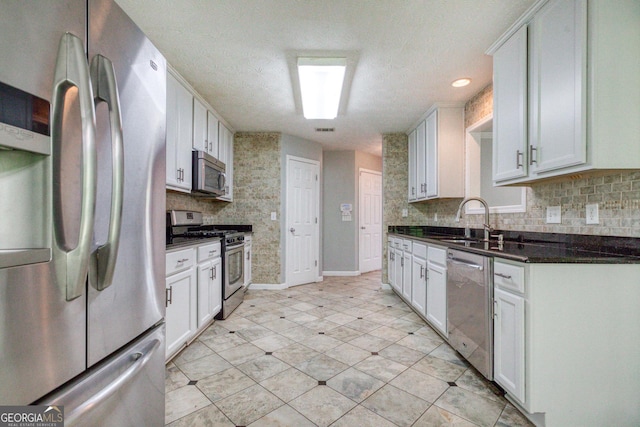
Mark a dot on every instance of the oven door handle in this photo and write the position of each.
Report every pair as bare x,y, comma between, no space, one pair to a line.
104,257
72,70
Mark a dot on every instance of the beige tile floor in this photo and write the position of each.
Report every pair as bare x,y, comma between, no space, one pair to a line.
342,352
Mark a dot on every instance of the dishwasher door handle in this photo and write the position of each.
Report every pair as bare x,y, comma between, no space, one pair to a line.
456,261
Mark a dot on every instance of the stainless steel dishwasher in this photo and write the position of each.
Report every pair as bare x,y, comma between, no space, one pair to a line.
469,318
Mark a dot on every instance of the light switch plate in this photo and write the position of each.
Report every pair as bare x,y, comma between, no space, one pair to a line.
554,214
274,216
405,213
591,215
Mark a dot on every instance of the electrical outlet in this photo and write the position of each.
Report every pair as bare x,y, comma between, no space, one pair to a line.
435,217
592,214
274,217
554,214
405,213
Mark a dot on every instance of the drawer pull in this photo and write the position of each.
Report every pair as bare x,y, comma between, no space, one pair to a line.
504,276
180,261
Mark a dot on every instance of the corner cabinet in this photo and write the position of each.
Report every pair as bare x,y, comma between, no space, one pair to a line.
436,155
179,135
556,72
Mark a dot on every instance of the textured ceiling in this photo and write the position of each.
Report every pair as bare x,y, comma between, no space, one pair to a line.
236,54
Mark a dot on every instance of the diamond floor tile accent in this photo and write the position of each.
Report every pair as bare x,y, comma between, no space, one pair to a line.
376,364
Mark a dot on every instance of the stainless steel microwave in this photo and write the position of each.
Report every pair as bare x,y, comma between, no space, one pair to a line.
208,176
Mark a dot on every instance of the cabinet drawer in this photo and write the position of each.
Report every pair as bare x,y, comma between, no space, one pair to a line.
406,245
437,255
397,243
420,250
508,276
180,260
207,252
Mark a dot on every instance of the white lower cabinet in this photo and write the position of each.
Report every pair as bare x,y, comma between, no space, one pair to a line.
436,310
508,343
193,293
405,266
509,328
390,264
209,291
181,312
419,278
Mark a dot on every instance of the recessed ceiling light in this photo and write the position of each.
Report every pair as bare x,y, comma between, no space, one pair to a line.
461,82
321,82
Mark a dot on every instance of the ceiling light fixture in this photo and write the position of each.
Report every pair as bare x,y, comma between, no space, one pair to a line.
461,82
321,82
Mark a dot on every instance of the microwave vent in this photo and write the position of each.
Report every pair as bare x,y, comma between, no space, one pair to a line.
325,129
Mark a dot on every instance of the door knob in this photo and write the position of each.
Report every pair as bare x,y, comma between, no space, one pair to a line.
293,230
363,228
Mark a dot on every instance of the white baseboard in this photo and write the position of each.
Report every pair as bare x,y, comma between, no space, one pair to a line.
268,286
341,273
386,286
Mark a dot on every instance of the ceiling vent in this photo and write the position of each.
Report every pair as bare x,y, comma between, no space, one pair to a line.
325,129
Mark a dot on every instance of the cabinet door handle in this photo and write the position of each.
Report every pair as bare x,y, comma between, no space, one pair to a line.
495,309
519,158
421,272
169,296
532,158
211,273
215,273
504,276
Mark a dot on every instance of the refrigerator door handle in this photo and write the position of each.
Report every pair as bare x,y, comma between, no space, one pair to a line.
72,70
103,260
139,360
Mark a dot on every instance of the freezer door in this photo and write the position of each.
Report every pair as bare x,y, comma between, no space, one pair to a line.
42,335
128,300
127,389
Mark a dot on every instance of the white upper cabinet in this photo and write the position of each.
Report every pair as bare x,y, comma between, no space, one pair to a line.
205,129
225,154
438,155
557,137
581,97
179,135
212,134
193,125
200,141
510,108
413,189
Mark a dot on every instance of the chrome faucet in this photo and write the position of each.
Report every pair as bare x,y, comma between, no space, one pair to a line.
486,226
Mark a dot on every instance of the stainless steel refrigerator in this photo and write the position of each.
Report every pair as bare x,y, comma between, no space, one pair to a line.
82,202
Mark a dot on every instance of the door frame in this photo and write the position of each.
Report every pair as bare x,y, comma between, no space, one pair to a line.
286,218
360,212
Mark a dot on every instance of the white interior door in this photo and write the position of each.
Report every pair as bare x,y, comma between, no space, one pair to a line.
302,221
370,236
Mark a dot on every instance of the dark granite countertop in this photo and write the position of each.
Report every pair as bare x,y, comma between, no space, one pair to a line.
245,228
533,247
181,243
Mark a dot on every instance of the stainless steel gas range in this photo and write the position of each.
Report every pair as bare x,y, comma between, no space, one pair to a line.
186,228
